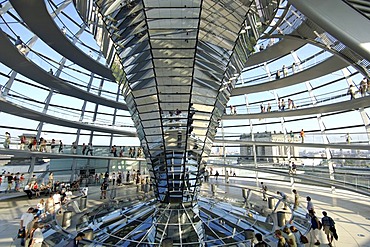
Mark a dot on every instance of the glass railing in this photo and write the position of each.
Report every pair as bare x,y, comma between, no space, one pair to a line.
349,138
121,151
350,178
57,112
271,106
288,71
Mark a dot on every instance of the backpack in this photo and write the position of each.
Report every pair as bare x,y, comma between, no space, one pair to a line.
331,222
319,225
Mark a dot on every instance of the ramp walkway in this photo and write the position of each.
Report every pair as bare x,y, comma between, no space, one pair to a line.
328,66
334,107
28,154
38,19
296,144
20,111
11,57
279,49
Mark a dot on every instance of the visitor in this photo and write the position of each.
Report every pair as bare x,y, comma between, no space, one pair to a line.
315,227
290,238
7,140
18,43
279,236
363,87
23,142
36,189
103,190
282,199
21,180
268,107
262,108
114,151
328,225
282,105
34,144
16,179
285,71
40,207
277,75
293,168
42,147
60,147
264,191
121,151
128,176
57,201
301,135
27,190
348,138
76,240
52,146
291,135
206,175
63,30
84,147
51,179
298,236
89,149
352,91
227,177
26,220
293,68
10,182
310,207
260,243
216,175
74,148
36,235
296,199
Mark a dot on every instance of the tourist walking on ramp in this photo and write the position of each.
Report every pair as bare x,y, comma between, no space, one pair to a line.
264,191
328,225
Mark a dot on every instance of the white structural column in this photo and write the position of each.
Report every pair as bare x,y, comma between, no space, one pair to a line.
113,124
284,150
319,119
345,23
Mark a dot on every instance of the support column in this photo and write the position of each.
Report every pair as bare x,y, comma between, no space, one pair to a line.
319,120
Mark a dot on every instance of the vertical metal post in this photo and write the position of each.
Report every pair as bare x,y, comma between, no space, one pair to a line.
319,119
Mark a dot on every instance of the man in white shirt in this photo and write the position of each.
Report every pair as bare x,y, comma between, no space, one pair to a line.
26,219
27,190
56,198
310,207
